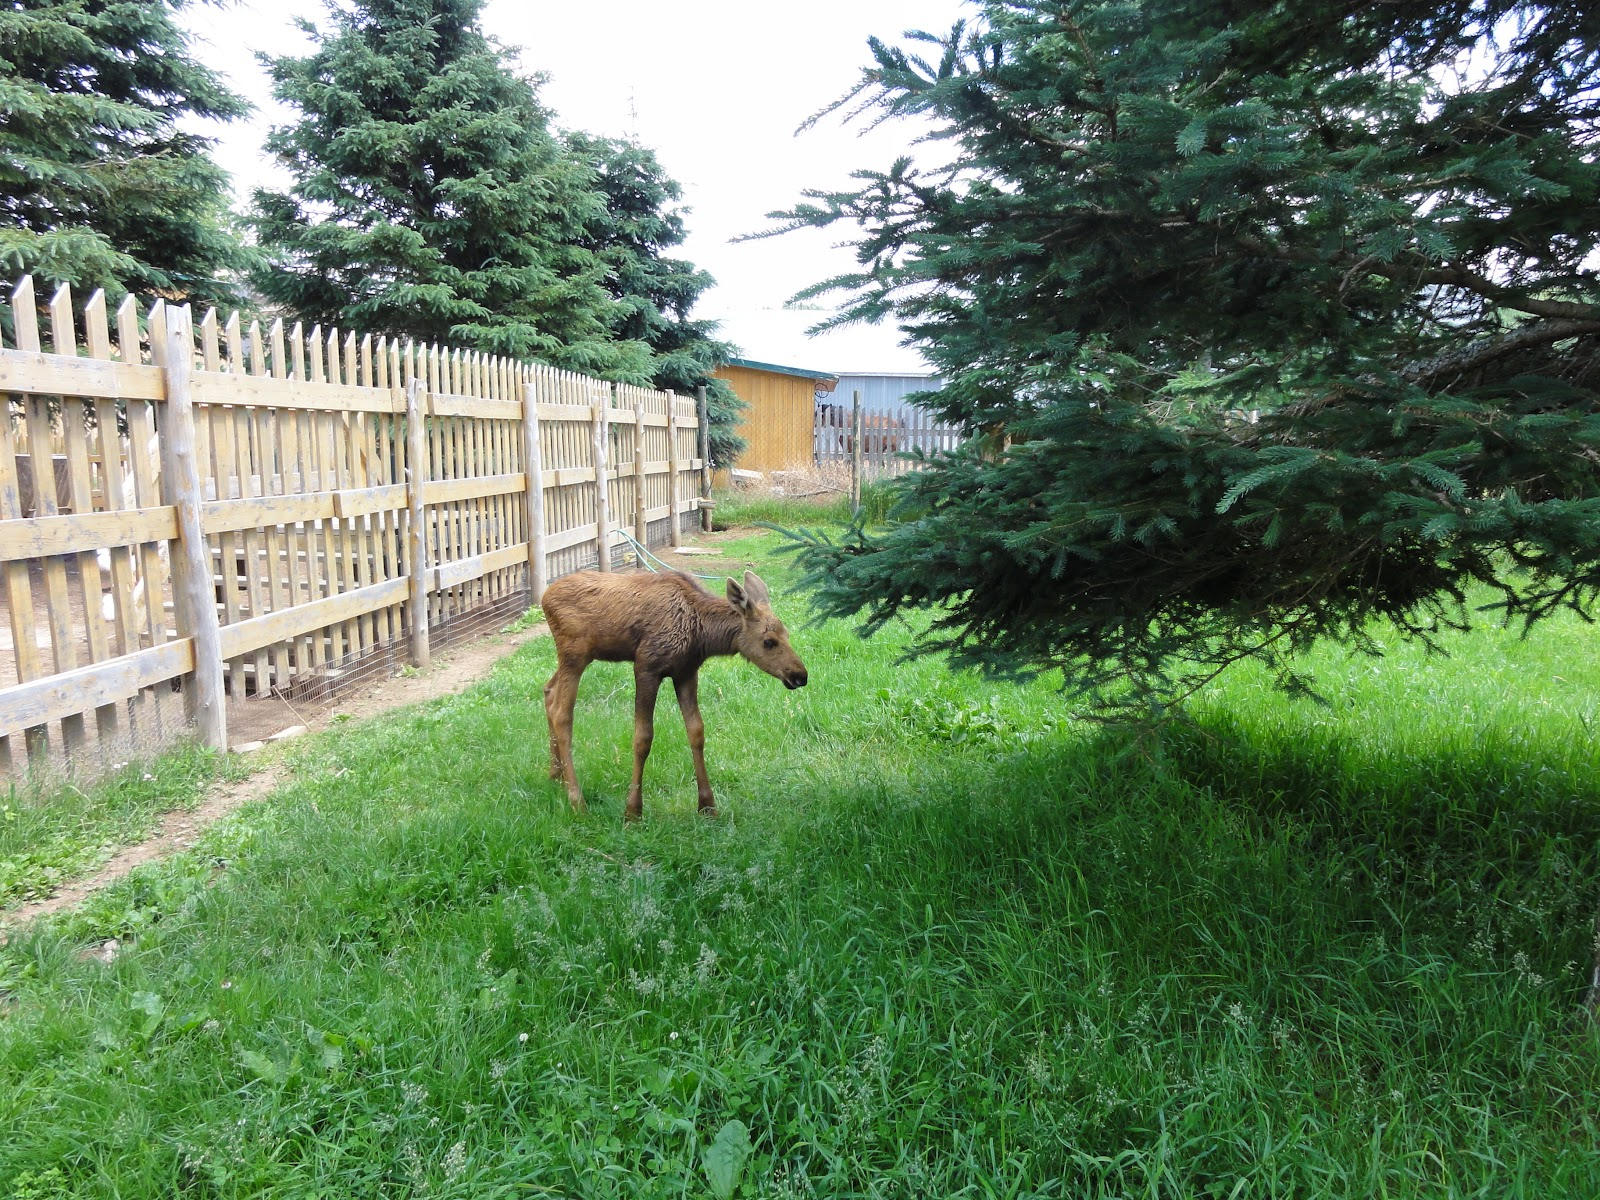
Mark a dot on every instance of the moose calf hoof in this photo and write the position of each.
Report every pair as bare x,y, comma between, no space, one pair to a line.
579,807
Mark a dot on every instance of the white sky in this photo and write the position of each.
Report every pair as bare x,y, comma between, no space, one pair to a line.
715,87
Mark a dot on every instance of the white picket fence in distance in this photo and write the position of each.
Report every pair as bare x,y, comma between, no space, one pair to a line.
888,433
196,514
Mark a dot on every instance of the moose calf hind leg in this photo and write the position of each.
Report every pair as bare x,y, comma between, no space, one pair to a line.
550,720
644,730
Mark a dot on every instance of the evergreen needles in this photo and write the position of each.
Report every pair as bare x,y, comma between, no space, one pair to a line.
1268,323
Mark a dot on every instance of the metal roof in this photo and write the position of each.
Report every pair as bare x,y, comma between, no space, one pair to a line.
751,364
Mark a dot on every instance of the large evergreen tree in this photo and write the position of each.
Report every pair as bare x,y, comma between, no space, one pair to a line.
1268,321
633,233
430,198
99,187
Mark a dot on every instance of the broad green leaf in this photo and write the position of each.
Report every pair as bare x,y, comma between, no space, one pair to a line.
725,1158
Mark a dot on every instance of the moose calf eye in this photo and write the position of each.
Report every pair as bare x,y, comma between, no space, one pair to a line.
771,643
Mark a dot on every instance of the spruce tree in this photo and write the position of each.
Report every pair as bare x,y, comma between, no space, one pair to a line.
430,197
99,187
1268,322
642,221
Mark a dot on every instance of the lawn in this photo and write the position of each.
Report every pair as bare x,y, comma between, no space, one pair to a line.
944,940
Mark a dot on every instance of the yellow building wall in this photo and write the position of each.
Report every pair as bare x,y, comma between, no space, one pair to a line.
777,427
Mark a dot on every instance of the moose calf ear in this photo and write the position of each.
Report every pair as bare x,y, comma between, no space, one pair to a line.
756,589
737,597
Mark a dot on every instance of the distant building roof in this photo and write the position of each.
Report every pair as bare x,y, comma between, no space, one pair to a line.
923,374
779,335
766,366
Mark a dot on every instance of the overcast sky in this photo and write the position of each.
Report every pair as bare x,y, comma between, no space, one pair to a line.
715,87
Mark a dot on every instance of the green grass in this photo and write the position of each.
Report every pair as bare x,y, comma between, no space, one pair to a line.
945,940
50,833
740,508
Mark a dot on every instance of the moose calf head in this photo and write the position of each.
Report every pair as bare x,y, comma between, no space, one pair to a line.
762,638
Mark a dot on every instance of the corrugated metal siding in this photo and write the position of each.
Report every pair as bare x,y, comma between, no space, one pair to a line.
883,393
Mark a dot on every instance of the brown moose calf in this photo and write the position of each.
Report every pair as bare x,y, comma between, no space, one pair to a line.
666,625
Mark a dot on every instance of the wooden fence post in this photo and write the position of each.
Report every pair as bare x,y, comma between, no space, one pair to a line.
641,527
602,485
533,464
673,504
417,533
194,593
705,457
855,454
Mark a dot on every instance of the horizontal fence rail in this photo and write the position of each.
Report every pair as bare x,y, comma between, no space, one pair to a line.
193,514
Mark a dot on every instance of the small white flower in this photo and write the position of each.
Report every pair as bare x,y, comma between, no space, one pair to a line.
522,1037
673,1036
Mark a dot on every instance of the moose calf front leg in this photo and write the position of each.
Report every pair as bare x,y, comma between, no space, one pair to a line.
646,685
689,704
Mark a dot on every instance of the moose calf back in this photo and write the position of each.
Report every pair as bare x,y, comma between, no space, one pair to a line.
610,616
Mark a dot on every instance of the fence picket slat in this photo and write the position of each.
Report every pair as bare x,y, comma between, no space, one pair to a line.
76,416
41,461
144,469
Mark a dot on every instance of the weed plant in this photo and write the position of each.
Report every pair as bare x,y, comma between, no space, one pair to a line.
944,941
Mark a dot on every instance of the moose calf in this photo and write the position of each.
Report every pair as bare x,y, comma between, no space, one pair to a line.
666,625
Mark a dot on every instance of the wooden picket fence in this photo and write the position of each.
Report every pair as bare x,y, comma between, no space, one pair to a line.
196,516
888,433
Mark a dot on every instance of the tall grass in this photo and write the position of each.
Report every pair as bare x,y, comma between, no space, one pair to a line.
740,507
945,940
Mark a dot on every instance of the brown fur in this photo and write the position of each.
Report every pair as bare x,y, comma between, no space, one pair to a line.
667,625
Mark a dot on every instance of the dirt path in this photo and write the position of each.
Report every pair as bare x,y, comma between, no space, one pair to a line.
451,671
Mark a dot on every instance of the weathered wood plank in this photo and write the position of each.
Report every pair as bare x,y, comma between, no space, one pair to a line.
446,405
416,477
223,388
260,512
27,705
576,412
567,476
576,536
675,532
358,502
30,373
453,574
80,533
329,611
446,491
602,485
533,472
